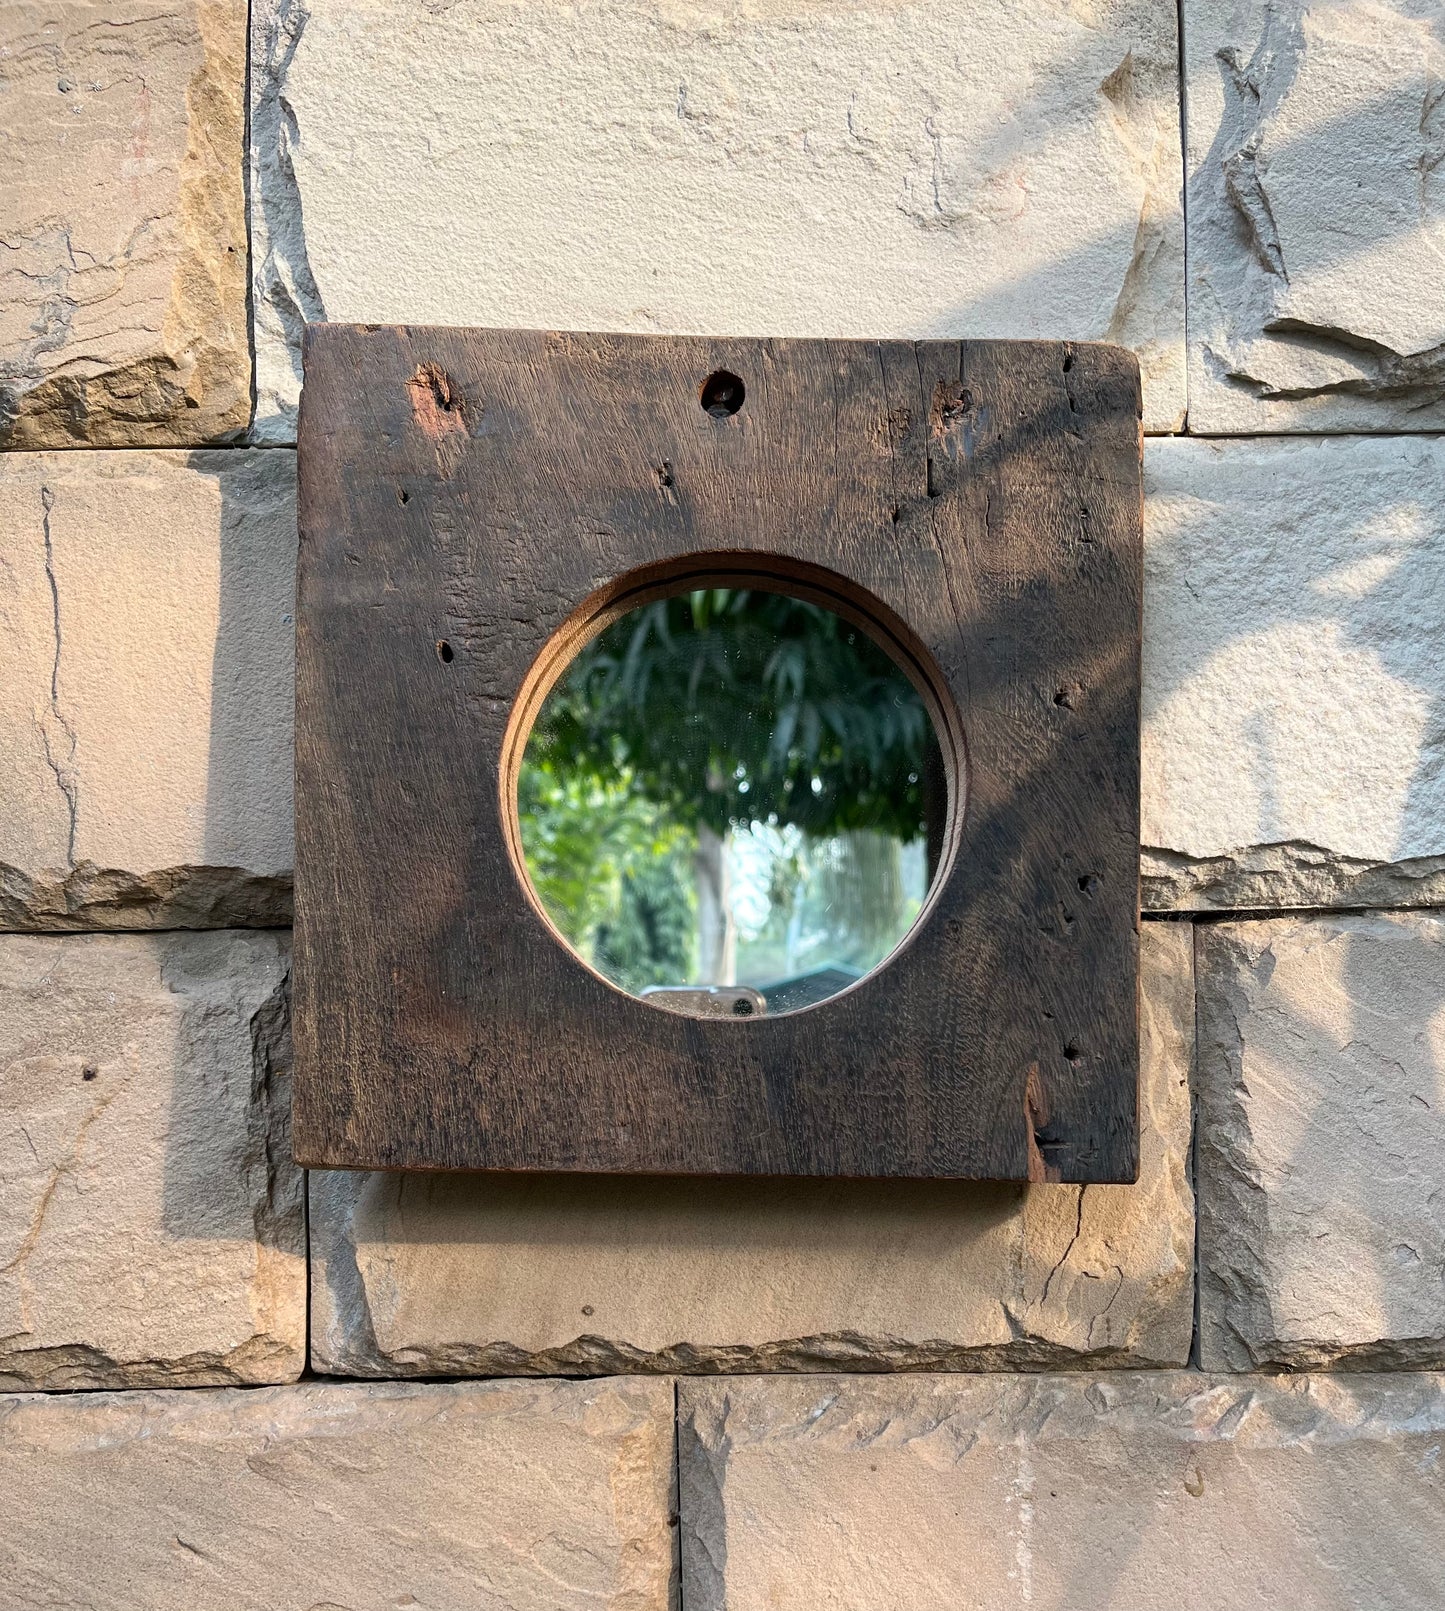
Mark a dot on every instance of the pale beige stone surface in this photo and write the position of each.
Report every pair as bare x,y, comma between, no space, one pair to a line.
498,1496
123,279
764,167
150,1216
146,653
455,1275
1131,1492
1316,156
1294,689
1322,1142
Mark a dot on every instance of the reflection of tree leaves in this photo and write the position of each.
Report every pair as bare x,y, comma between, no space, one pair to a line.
651,936
727,705
610,868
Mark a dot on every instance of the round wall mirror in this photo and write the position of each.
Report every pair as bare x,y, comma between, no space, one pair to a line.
732,802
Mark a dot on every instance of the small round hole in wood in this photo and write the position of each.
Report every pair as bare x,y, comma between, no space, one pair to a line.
722,394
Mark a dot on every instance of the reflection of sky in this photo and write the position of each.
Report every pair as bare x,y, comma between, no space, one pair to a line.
757,854
915,870
753,854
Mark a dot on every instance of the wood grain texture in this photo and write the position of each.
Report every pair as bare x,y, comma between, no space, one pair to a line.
476,488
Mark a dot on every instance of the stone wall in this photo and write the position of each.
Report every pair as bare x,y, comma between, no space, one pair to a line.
1218,1386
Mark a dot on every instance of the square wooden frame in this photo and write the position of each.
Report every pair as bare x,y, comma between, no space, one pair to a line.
470,500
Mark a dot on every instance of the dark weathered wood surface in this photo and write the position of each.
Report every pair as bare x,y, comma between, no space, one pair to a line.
471,488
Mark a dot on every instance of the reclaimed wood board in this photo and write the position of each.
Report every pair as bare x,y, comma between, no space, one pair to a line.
464,494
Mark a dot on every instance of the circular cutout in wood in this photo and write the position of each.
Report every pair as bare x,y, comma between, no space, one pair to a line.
731,798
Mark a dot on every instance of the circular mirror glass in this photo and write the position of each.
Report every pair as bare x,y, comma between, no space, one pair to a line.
732,802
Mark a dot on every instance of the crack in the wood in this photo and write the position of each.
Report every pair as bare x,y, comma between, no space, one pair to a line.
923,403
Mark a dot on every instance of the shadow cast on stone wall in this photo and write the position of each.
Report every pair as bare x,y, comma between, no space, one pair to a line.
1322,1055
242,1033
1348,622
1299,315
472,1274
248,811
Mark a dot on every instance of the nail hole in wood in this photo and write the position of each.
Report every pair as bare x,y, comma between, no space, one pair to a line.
722,394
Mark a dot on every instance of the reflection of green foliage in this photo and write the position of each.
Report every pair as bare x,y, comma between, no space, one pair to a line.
611,869
730,706
726,710
651,937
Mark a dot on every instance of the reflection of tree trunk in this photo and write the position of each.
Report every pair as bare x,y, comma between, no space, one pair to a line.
717,941
863,888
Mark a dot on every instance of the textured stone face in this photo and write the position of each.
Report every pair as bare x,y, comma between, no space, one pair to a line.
870,168
150,1215
537,1496
1322,1142
437,1275
123,286
1294,690
1316,215
1133,1492
146,649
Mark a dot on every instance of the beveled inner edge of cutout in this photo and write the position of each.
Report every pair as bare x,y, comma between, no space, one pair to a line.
763,573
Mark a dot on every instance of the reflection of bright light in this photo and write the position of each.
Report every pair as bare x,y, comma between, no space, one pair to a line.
774,877
754,854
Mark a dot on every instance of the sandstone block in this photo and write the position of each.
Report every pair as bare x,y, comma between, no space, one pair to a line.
874,168
446,1275
150,1216
1316,160
123,286
535,1496
146,650
1294,691
1322,1142
1132,1492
